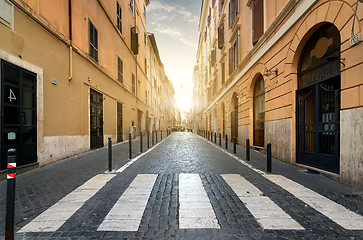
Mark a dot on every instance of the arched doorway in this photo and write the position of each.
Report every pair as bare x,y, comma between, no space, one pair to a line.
234,117
318,101
259,112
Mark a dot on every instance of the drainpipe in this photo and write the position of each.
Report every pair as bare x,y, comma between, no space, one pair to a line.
70,40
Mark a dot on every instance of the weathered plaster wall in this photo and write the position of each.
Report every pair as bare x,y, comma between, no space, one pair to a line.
351,147
278,133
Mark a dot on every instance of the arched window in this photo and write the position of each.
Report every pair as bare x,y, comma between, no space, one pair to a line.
259,112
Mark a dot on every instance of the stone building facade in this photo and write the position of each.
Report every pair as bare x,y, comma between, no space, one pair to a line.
285,72
74,73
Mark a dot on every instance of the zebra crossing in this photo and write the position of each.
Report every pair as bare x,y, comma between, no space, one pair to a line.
195,209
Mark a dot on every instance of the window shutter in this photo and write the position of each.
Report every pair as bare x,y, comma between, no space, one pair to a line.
257,11
134,41
221,36
230,63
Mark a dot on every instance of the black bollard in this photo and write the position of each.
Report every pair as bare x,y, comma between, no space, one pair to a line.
161,135
220,139
140,142
247,149
234,145
269,157
109,154
130,147
226,141
10,195
148,139
215,137
156,136
152,138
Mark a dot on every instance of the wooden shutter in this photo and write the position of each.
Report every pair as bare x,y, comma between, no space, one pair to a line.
221,36
230,63
257,29
134,41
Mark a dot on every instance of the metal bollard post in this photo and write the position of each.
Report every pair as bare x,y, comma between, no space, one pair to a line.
248,149
215,137
140,142
234,145
130,147
220,139
109,154
156,136
10,195
269,157
161,137
148,139
152,138
226,141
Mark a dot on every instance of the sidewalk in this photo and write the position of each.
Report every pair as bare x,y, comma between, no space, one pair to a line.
40,188
347,196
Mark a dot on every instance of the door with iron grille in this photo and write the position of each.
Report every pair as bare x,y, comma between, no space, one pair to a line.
18,114
318,125
96,118
318,101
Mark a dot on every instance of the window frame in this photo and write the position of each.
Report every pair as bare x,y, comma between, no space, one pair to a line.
119,16
93,46
260,28
131,3
133,83
120,70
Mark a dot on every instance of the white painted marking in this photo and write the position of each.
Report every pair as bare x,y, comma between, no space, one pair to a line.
266,212
55,216
234,156
138,157
126,214
336,212
195,209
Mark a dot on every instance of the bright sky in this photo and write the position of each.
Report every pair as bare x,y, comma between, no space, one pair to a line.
175,26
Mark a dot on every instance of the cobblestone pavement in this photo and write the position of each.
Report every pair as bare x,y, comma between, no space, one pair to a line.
172,197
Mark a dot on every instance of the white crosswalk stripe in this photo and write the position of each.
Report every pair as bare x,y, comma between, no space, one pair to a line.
336,212
266,212
54,217
195,209
126,214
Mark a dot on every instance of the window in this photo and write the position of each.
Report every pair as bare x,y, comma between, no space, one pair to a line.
221,36
132,6
134,41
93,42
232,12
233,57
120,70
119,17
213,57
133,84
257,20
221,3
223,72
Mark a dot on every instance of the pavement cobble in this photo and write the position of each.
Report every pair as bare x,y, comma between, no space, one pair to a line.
179,153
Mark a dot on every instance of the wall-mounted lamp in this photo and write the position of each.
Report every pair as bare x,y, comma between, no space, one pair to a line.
270,72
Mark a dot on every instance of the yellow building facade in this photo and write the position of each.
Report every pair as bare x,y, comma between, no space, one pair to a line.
74,73
285,72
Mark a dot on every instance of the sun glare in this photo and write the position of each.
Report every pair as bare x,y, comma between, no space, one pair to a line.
184,103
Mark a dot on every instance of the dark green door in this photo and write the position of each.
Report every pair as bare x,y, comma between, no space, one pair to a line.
119,123
18,114
96,117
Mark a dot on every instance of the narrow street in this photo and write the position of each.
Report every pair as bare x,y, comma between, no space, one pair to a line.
185,187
